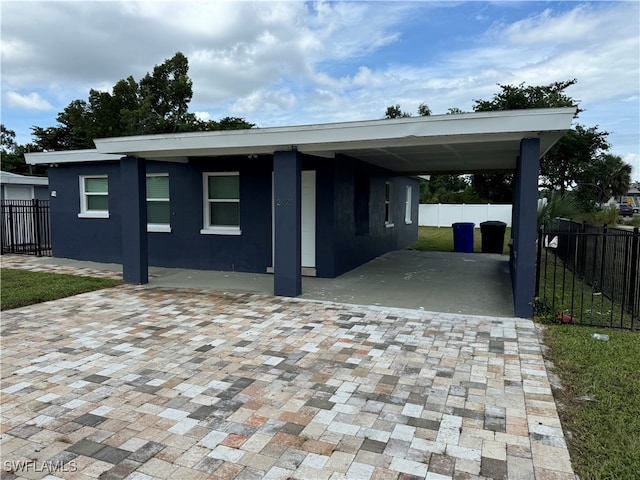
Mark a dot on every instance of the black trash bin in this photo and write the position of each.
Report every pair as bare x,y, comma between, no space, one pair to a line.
492,236
463,237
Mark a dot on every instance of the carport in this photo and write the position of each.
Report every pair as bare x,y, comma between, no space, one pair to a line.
480,142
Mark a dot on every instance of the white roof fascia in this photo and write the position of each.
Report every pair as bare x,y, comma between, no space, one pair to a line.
68,156
345,136
324,139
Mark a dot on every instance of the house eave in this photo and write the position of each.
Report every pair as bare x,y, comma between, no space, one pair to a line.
68,156
414,144
8,178
343,136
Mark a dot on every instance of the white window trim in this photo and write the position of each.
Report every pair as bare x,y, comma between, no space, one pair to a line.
84,212
388,223
159,227
407,206
94,214
221,231
210,229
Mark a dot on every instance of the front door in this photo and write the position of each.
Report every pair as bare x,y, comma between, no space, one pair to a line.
308,220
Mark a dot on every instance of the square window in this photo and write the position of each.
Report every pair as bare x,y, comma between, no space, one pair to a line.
221,203
94,196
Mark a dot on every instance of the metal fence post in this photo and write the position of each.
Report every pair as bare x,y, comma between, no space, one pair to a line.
12,233
633,279
36,226
538,260
603,254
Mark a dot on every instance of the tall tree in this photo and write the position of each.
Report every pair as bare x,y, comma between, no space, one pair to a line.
424,110
12,155
166,95
516,97
394,111
563,167
447,189
495,188
605,177
572,162
158,103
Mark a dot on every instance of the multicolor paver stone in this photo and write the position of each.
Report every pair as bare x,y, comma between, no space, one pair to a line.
147,382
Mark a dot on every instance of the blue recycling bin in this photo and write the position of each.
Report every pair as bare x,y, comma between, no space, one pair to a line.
463,237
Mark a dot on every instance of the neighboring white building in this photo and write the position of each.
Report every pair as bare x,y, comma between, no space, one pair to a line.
21,187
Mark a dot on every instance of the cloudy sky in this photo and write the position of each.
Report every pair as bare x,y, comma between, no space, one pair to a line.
293,62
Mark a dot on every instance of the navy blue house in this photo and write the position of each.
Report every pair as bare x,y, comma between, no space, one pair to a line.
353,204
309,200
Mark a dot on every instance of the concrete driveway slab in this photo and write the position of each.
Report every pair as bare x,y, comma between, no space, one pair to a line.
467,283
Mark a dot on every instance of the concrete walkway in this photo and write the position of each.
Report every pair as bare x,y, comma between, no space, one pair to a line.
153,382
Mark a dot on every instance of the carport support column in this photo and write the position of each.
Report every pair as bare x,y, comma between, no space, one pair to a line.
524,221
133,199
287,199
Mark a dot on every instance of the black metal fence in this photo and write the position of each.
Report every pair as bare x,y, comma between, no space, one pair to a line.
589,275
26,227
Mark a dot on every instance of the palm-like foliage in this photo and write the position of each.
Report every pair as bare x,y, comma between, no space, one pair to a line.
557,205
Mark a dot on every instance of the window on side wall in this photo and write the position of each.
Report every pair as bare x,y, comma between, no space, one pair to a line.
158,205
388,192
94,196
407,206
221,203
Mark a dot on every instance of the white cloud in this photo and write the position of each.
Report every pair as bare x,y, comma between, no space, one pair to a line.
204,116
297,62
266,102
30,101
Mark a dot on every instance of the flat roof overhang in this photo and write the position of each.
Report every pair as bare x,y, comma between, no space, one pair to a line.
8,178
460,143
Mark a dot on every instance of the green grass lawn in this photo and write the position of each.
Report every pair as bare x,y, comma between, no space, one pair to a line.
600,400
20,287
440,239
563,292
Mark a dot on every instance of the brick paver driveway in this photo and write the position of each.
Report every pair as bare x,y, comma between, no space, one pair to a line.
142,382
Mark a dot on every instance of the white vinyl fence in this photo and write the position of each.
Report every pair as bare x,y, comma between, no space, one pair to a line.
443,215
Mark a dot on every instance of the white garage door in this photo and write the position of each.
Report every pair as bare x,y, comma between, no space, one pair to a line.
18,192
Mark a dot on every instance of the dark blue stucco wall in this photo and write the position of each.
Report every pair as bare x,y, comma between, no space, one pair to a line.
95,239
350,228
356,240
41,192
100,239
185,247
